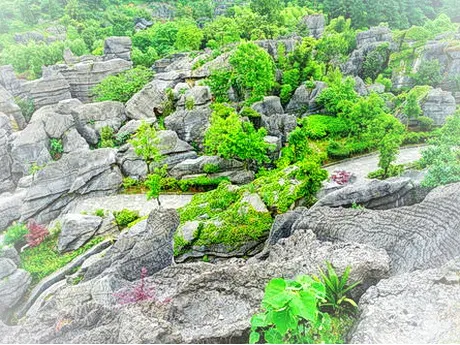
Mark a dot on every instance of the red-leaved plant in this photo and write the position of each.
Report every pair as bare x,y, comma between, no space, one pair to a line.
341,177
37,233
139,292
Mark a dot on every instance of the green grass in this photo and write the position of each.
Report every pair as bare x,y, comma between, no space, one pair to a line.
43,260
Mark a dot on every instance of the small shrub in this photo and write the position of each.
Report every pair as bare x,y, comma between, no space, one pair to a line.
124,217
291,313
139,292
99,213
106,137
153,184
210,168
393,170
27,107
202,181
337,150
341,177
337,288
189,103
129,182
56,148
15,234
249,112
429,73
426,123
36,233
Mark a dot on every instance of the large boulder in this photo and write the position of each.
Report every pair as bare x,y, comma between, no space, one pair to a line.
197,165
200,95
190,125
9,80
376,194
419,307
315,24
84,76
279,125
6,177
304,100
416,237
77,229
117,47
271,105
76,175
13,286
10,208
438,105
9,107
149,244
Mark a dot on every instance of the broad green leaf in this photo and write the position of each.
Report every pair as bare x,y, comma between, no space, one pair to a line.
258,320
272,336
254,337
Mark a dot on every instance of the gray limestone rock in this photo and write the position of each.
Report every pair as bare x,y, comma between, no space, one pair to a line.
10,208
117,47
315,24
77,229
6,177
12,288
304,100
196,166
419,307
271,105
9,107
190,125
416,237
438,105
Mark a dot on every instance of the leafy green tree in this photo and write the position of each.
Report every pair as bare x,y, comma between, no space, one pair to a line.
123,86
442,157
412,107
153,183
221,31
231,138
269,8
189,37
146,145
253,71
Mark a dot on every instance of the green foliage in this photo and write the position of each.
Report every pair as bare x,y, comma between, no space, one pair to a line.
320,126
385,82
122,86
376,61
220,82
291,313
146,145
107,137
124,217
337,288
337,42
99,213
15,234
189,103
56,148
44,259
210,168
442,157
425,123
199,182
221,31
27,107
429,73
153,184
253,71
230,137
189,37
412,108
392,171
129,182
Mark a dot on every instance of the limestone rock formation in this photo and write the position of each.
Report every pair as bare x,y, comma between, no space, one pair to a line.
77,229
304,99
438,105
315,24
9,107
149,244
190,125
14,283
117,47
421,236
10,208
77,174
270,105
196,166
6,177
419,307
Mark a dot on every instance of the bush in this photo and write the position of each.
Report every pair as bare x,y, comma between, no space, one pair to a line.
337,150
56,148
210,168
99,213
320,126
15,234
123,86
36,233
426,123
124,217
189,103
291,313
129,182
27,107
429,73
202,181
392,170
106,137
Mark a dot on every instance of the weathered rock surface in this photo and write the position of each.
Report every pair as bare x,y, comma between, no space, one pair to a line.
271,105
279,125
376,194
304,100
10,208
421,236
200,95
117,47
6,178
196,166
205,302
77,174
315,24
148,244
13,285
83,76
190,125
9,107
438,105
77,229
419,307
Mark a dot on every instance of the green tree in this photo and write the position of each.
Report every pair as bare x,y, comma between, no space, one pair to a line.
253,71
231,138
412,108
146,145
270,9
153,183
429,73
221,31
189,37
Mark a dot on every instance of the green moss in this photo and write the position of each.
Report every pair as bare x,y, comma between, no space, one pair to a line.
43,260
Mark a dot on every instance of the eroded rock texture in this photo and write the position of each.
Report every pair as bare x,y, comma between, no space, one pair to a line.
421,236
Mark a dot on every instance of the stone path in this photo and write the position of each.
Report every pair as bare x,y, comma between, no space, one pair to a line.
361,167
136,202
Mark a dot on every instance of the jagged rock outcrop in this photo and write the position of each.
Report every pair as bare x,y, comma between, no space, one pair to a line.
367,42
84,76
419,307
14,283
421,236
438,105
197,166
269,106
117,47
195,303
148,244
315,24
10,208
376,194
6,177
9,80
9,107
304,100
75,175
196,96
77,229
50,89
190,125
279,125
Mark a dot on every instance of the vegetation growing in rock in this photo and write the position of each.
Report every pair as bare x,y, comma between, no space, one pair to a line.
15,234
124,217
146,145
